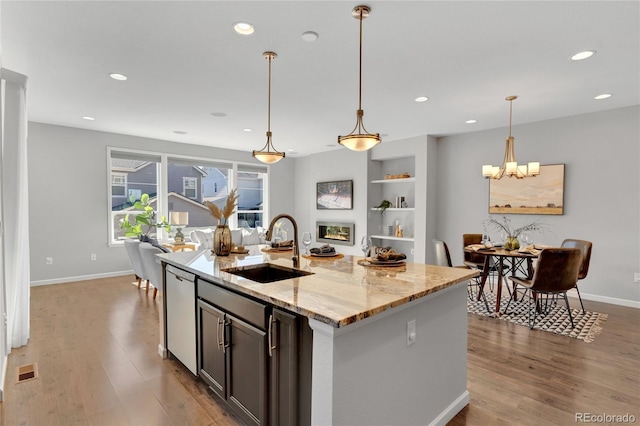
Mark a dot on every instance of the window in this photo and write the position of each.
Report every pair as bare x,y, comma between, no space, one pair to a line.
189,183
118,184
251,189
132,174
189,187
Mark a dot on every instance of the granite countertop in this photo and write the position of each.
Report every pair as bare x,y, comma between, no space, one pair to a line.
339,292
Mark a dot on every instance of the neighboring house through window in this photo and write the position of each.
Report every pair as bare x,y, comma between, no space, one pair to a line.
189,186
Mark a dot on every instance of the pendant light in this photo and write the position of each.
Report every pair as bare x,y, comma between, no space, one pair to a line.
268,153
359,139
509,164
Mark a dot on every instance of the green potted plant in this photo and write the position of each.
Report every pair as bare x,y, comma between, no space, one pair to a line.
144,222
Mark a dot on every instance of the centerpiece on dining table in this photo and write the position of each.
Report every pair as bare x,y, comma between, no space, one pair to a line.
511,234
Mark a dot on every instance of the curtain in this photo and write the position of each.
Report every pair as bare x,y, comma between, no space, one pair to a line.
15,207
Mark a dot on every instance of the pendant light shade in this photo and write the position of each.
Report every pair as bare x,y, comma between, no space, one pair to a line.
510,166
359,139
268,154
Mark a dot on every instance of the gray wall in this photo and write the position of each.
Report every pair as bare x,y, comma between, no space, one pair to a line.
68,211
602,191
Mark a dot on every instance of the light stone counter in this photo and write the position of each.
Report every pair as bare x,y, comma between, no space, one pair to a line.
339,292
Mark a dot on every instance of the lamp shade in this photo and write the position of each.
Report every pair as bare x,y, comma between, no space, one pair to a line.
359,142
179,218
268,157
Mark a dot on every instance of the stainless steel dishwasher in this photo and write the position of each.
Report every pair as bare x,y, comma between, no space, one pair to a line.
181,316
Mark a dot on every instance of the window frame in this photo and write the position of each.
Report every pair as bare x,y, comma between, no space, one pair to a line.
162,206
185,180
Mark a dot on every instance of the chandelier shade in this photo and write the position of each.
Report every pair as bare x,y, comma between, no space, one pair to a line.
268,154
359,139
510,166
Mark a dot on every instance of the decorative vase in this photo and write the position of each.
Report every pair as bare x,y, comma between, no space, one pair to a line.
222,240
512,243
179,237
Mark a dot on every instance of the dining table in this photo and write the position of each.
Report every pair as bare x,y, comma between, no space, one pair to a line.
513,260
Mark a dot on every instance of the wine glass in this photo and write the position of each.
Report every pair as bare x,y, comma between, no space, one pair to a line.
527,238
365,245
306,240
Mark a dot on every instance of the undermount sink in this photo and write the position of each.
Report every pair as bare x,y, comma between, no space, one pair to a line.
266,272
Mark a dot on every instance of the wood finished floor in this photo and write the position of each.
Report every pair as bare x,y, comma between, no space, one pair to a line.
95,343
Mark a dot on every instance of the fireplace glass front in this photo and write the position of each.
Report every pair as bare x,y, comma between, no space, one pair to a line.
335,233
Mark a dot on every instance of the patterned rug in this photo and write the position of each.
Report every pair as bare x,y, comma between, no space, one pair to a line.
587,325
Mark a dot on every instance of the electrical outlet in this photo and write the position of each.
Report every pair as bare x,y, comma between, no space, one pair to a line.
636,277
48,260
93,256
411,332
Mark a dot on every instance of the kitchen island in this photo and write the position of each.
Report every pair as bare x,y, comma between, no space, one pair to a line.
388,343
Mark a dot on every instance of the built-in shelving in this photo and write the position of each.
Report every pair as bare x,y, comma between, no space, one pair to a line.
393,209
401,180
390,237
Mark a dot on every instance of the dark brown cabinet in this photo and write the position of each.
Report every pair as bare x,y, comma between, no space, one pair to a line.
254,356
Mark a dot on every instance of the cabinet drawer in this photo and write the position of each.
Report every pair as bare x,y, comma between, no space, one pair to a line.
253,312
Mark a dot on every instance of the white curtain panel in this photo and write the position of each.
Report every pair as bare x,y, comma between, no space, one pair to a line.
15,207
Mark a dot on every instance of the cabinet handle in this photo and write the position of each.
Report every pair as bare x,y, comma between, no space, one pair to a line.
225,345
270,342
218,335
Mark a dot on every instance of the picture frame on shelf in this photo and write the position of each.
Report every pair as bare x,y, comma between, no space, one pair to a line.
334,195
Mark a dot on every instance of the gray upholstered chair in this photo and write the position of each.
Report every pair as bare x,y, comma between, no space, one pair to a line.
133,251
443,258
151,265
585,247
555,274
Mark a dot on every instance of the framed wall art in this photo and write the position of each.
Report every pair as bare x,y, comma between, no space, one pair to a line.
543,194
334,195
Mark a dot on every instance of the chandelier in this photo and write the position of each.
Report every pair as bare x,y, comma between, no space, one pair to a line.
510,166
268,154
359,139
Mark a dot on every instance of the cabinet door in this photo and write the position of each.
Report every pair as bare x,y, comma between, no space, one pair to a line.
284,378
211,347
247,371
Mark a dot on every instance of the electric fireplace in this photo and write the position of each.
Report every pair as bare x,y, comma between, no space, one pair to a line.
335,233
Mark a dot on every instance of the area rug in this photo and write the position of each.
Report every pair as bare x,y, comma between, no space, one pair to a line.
587,325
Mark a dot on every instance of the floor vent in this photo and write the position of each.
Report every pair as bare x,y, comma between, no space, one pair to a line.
27,372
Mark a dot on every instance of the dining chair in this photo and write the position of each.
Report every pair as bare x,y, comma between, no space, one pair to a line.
475,260
585,248
133,251
151,265
556,273
443,258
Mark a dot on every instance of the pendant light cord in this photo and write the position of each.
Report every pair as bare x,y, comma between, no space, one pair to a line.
360,74
269,100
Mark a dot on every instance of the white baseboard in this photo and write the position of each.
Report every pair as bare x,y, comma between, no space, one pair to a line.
605,299
451,411
80,278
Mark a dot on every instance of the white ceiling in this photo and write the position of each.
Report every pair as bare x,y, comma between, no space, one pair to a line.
184,62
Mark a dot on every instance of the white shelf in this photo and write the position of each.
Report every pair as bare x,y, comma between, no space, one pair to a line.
394,209
390,237
402,180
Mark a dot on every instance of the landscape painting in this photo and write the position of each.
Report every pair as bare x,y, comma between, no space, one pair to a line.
336,195
542,194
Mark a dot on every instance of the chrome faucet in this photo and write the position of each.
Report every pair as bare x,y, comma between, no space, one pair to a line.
296,252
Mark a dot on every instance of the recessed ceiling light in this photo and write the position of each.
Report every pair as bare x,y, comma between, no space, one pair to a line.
309,36
422,99
472,121
603,96
583,55
116,76
88,118
247,130
218,114
179,132
243,28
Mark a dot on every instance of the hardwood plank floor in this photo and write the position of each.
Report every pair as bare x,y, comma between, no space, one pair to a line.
95,343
